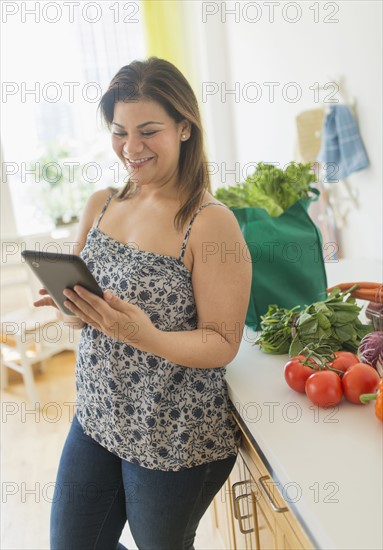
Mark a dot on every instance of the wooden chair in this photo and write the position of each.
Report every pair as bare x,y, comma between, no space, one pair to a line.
28,335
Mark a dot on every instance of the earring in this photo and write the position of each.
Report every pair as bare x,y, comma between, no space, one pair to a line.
183,136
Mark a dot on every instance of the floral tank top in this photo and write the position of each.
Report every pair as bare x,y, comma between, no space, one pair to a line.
142,407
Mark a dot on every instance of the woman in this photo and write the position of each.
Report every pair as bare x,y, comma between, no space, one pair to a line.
153,439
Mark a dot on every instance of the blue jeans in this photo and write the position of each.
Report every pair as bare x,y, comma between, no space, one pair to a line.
96,492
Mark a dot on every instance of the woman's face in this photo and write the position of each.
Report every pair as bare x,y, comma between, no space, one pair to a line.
148,141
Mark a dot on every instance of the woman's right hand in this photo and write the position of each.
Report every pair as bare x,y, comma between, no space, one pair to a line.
91,211
47,301
76,322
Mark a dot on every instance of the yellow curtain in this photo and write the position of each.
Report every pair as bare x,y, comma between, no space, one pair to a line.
163,29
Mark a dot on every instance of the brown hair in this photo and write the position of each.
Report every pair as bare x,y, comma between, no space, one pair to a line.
159,80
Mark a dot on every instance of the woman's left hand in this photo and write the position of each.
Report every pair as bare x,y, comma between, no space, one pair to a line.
117,318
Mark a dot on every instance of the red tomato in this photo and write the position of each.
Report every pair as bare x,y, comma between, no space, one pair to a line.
343,360
324,388
358,379
296,374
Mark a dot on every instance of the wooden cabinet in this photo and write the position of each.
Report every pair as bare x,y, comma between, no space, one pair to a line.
241,505
250,511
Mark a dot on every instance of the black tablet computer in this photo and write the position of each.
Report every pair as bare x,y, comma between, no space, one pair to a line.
58,271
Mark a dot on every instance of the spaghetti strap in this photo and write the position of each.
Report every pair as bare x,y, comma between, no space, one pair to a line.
186,238
104,208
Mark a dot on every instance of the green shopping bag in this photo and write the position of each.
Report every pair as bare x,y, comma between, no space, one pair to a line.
286,256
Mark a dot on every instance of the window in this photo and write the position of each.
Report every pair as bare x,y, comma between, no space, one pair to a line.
59,61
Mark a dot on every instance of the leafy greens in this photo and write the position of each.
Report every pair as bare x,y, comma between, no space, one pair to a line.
270,188
332,323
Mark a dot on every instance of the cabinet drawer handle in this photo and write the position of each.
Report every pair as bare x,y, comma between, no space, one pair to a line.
276,508
237,512
240,518
234,486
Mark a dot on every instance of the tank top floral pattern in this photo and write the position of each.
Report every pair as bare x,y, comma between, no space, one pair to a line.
142,407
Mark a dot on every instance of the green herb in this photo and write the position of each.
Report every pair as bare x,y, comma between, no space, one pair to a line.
276,335
332,324
270,188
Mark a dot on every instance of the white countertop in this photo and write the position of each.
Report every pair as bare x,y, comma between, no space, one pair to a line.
331,459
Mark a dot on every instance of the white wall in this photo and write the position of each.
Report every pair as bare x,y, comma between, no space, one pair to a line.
235,50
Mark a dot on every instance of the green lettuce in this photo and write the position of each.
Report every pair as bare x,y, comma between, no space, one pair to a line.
270,188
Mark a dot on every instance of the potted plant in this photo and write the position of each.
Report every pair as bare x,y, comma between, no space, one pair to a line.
63,191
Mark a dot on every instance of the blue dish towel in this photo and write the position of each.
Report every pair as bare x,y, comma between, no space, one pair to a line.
342,148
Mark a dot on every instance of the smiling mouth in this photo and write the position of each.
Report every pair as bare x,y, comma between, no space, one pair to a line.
138,162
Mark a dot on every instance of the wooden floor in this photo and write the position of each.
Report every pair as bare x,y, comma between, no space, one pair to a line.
31,444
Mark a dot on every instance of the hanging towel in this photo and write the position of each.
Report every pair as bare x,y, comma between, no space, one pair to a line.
342,148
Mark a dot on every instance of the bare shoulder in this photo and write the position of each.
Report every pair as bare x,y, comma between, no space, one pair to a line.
89,216
216,229
215,220
95,203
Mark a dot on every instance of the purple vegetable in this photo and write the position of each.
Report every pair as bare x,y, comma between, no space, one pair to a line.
371,350
374,312
373,307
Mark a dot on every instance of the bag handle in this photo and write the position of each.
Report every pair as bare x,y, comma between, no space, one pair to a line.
316,194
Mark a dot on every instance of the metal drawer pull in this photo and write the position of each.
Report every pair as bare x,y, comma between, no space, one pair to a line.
237,512
234,486
240,518
278,509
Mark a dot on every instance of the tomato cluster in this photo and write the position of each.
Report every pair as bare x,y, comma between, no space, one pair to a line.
325,386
